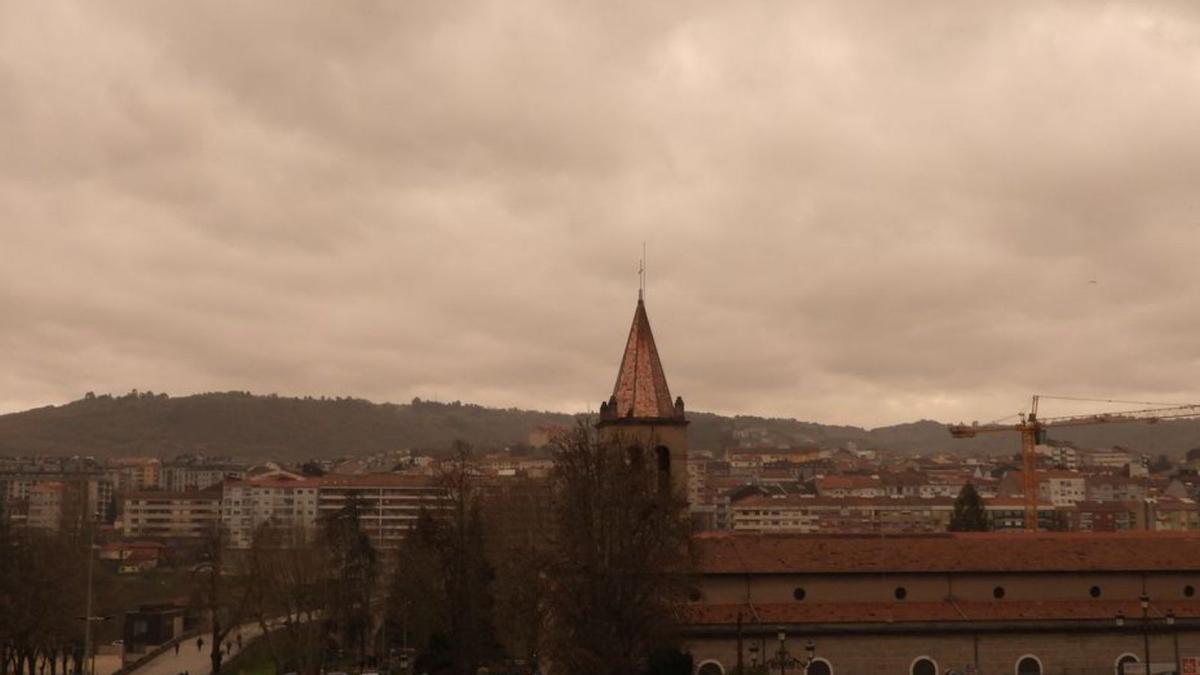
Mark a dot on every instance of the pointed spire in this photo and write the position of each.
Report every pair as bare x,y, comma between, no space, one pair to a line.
641,390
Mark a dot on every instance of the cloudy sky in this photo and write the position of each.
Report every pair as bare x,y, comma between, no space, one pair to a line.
853,212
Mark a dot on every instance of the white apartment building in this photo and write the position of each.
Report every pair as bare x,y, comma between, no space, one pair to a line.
280,498
388,503
1062,488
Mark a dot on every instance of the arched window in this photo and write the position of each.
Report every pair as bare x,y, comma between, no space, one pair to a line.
663,456
820,667
1189,591
1029,665
799,593
998,592
923,666
1094,591
710,668
900,593
1122,661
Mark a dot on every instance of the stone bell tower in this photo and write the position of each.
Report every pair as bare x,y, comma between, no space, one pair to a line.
640,411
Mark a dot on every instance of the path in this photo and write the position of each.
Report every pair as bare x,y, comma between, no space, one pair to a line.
192,660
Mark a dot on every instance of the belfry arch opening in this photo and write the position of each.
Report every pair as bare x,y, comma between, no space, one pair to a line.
662,459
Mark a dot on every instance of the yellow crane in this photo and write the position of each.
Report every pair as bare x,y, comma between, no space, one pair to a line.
1033,430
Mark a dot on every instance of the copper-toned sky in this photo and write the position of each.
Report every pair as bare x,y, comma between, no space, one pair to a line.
854,212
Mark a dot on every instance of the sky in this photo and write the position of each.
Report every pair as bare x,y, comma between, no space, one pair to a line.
853,212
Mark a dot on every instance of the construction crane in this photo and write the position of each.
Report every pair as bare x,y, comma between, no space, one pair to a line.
1033,430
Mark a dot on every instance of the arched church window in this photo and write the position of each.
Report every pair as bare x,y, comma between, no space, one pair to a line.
924,666
820,667
1029,665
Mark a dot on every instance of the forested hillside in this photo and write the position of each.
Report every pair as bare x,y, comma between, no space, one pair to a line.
239,424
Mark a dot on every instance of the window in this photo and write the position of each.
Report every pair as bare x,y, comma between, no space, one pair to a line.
710,668
1189,591
1094,591
998,592
798,593
900,593
923,666
820,667
1029,665
1122,661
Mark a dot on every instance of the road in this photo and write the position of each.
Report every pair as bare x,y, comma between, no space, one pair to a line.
191,660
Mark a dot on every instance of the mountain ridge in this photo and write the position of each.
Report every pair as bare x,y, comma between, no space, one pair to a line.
244,425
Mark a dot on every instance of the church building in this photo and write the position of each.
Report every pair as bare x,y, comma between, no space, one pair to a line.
969,603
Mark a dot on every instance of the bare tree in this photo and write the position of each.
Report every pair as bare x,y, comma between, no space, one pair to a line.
619,557
441,590
287,572
222,593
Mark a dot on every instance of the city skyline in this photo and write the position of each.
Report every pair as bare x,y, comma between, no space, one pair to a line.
863,215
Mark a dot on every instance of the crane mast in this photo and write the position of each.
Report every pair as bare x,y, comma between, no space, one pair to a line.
1032,430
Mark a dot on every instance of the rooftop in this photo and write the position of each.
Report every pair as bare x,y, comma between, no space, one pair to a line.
641,390
734,553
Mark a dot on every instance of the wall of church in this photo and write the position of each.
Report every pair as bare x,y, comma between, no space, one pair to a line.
1061,653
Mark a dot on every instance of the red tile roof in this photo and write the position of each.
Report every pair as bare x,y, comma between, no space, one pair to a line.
734,553
800,501
375,480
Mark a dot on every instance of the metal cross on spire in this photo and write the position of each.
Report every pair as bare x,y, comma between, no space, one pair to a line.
642,274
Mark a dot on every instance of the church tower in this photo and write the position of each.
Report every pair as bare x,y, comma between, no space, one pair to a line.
640,411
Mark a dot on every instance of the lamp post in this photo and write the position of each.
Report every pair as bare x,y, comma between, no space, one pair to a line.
784,660
1168,620
1174,636
1145,602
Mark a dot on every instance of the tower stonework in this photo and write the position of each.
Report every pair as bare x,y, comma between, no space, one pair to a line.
640,411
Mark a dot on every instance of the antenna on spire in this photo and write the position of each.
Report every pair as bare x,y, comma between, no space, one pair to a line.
642,274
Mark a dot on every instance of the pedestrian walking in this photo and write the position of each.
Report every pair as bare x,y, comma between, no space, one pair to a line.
239,640
176,649
199,643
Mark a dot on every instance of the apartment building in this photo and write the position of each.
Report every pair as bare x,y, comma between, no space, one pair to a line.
170,515
184,477
388,503
795,513
279,499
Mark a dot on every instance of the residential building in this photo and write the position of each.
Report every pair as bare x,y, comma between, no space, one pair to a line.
278,499
170,515
388,503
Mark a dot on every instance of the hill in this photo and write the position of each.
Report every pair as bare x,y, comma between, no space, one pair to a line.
240,424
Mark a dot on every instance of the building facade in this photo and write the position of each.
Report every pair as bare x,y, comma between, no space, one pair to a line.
1030,604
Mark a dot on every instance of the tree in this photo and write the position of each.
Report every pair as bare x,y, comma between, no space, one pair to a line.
619,557
441,593
288,574
970,515
1161,464
221,593
353,567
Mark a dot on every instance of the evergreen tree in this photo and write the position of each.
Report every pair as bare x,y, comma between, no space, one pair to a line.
969,512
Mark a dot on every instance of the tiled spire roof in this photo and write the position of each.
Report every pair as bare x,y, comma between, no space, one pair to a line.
641,390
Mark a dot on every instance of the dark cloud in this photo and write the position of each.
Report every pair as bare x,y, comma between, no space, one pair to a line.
855,212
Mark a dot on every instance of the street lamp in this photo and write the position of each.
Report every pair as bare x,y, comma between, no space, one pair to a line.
784,660
1145,602
1168,620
